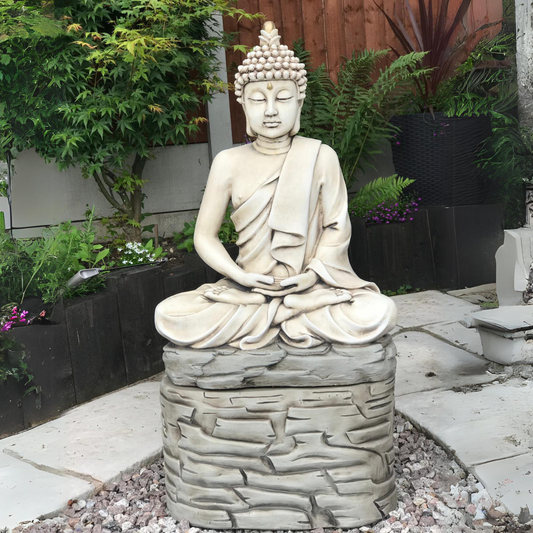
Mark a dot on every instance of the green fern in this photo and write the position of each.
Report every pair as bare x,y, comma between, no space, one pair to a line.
380,190
352,115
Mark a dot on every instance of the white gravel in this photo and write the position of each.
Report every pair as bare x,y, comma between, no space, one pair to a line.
434,495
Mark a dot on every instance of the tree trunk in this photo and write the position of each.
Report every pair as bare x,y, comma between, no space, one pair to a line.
137,196
524,60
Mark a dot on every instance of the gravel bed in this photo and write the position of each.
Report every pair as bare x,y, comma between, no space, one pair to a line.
435,495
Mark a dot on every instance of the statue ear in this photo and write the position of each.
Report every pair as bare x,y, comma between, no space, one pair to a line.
296,127
249,130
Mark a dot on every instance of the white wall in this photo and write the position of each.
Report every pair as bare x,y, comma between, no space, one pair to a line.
42,195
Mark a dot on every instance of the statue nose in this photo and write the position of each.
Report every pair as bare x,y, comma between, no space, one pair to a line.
271,111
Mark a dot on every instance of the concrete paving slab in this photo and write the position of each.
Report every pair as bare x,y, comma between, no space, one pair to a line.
480,425
431,307
99,439
509,480
466,338
27,492
478,289
426,363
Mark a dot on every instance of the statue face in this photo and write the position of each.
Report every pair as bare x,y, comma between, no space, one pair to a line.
271,113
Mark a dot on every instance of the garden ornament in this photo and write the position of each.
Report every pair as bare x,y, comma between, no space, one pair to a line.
314,448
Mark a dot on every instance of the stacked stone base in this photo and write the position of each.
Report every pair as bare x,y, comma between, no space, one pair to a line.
282,457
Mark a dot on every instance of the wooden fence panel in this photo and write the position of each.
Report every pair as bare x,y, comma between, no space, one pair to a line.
332,29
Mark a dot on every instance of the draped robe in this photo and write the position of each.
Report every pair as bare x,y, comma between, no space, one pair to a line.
296,220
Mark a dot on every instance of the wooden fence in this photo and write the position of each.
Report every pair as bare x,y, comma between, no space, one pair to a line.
332,29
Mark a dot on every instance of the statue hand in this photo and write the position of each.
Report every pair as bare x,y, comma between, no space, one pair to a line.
255,281
298,283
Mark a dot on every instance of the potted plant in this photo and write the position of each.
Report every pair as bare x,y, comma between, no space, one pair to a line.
447,119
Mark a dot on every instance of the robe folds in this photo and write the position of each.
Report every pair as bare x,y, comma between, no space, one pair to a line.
296,220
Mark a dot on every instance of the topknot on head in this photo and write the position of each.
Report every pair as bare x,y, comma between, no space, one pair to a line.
271,60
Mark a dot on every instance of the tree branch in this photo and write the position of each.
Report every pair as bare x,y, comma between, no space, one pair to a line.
108,195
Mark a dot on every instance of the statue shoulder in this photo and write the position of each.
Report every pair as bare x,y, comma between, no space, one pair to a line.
228,162
326,154
235,155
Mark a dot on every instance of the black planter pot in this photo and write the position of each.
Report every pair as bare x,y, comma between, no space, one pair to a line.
442,248
11,413
440,153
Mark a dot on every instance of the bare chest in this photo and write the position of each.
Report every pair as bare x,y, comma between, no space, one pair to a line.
253,173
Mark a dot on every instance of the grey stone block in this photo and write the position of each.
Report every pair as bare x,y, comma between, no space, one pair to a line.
280,365
297,457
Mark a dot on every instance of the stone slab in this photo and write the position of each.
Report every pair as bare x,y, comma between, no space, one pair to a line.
484,425
430,307
477,295
468,291
465,338
27,492
508,319
99,439
509,480
425,363
280,365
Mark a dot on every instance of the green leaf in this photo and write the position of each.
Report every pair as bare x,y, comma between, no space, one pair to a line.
101,256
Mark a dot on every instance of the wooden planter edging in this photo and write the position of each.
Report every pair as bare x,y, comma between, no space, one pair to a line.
107,340
101,343
442,248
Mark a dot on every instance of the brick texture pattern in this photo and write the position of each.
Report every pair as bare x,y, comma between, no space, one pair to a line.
279,458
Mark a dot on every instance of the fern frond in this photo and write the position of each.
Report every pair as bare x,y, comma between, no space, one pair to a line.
383,189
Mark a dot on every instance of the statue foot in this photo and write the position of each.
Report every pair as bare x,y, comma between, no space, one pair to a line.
294,304
317,299
224,294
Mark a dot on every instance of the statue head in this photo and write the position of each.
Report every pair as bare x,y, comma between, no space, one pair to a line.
271,86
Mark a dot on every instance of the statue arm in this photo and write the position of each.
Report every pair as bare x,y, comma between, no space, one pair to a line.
330,261
212,211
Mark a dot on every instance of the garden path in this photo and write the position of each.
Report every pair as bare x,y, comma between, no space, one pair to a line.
443,386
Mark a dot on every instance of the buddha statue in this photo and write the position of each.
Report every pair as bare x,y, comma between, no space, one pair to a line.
292,280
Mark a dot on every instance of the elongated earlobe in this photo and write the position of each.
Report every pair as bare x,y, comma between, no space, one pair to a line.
296,127
249,130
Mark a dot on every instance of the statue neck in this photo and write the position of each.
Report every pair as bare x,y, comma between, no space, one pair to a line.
273,147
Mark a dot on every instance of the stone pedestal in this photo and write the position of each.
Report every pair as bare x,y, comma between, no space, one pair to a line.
279,438
506,334
513,260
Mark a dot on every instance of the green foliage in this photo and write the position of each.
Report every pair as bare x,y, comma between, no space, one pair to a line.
43,266
185,239
376,192
123,77
12,362
19,18
227,233
3,188
352,116
508,159
494,304
403,289
485,84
